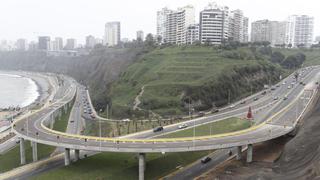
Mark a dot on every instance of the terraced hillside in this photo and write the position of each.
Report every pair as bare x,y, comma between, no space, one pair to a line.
171,75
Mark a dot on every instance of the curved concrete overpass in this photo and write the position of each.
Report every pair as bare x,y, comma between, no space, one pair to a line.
279,118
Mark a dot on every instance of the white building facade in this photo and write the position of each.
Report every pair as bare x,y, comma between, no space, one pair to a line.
112,33
299,30
193,33
238,26
214,24
172,25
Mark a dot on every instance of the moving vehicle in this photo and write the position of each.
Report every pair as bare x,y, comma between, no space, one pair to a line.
275,98
243,102
255,99
201,114
183,126
205,160
158,129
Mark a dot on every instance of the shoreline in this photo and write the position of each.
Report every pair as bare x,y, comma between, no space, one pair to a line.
42,85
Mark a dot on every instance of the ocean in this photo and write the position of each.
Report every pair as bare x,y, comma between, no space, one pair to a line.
16,90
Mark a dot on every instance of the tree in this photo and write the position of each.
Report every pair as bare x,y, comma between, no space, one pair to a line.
277,57
294,61
150,41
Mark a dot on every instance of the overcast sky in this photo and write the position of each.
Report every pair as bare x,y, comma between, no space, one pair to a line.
79,18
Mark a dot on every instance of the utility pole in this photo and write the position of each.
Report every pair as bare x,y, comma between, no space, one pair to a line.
229,94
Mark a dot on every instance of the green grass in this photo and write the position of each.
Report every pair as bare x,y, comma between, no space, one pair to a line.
61,122
11,159
166,73
227,125
121,166
125,165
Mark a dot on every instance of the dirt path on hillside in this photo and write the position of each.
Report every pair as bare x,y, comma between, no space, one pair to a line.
137,101
300,158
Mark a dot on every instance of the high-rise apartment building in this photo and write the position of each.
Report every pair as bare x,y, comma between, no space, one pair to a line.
193,33
214,24
140,35
44,43
112,33
59,43
21,45
71,44
172,25
90,42
238,26
162,16
260,31
299,30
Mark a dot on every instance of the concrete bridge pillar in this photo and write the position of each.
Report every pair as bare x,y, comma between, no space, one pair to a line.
239,148
22,152
249,153
142,165
66,156
76,154
34,146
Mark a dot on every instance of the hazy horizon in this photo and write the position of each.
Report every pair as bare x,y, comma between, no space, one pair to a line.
79,18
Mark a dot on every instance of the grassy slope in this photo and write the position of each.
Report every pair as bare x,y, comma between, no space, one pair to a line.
166,72
11,159
125,166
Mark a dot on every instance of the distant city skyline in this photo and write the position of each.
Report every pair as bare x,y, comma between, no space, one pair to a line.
78,19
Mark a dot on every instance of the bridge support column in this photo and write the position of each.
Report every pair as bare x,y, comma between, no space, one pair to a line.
34,146
22,152
239,148
76,154
249,153
142,165
66,156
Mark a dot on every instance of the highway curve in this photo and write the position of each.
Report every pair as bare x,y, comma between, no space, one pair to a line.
300,158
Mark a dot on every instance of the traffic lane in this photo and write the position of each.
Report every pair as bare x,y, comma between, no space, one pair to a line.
198,168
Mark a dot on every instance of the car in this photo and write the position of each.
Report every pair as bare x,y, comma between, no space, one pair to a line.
72,121
201,114
215,110
232,106
264,93
284,83
84,111
205,160
158,129
317,83
278,85
243,102
289,87
275,98
273,88
256,99
183,126
285,98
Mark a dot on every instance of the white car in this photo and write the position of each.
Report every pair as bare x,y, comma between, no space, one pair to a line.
183,126
232,106
289,87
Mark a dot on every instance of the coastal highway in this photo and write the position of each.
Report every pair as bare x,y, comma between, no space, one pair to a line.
281,116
